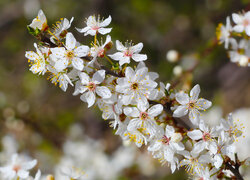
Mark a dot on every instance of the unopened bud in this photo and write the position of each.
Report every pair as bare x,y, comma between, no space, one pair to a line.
172,56
176,137
50,177
243,61
177,70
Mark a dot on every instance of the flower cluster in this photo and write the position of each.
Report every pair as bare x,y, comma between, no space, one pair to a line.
236,38
140,109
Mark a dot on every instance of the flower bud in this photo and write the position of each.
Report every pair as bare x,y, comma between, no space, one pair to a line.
176,137
50,177
243,61
177,70
172,56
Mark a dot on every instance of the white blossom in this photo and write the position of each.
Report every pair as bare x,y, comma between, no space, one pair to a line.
143,117
72,54
39,22
135,87
128,51
191,104
89,87
17,168
242,22
95,25
38,64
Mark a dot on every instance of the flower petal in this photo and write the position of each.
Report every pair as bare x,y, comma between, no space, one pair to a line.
136,48
77,63
81,51
106,22
99,76
70,41
103,91
119,46
203,104
194,93
195,134
139,57
182,98
131,111
104,30
155,110
88,97
180,111
84,78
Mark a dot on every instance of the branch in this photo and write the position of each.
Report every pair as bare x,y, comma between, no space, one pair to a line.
235,170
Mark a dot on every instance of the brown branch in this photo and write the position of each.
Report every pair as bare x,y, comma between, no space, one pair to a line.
234,170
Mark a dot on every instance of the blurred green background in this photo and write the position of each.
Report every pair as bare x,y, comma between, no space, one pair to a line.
38,114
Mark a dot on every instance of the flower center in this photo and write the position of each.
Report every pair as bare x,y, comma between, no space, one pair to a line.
135,86
143,115
128,53
91,86
165,140
70,54
246,22
206,137
101,53
191,105
95,28
16,168
122,117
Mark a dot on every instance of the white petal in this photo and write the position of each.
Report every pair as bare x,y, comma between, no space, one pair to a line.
194,93
198,147
23,174
131,111
83,30
180,111
203,104
237,18
61,64
155,110
134,124
84,78
194,117
99,76
38,175
149,84
248,30
58,52
218,161
90,32
117,56
88,97
213,147
70,41
129,73
29,165
126,99
182,98
141,73
104,30
139,57
81,51
119,46
103,91
31,55
195,134
77,63
169,131
136,48
238,28
178,146
106,22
